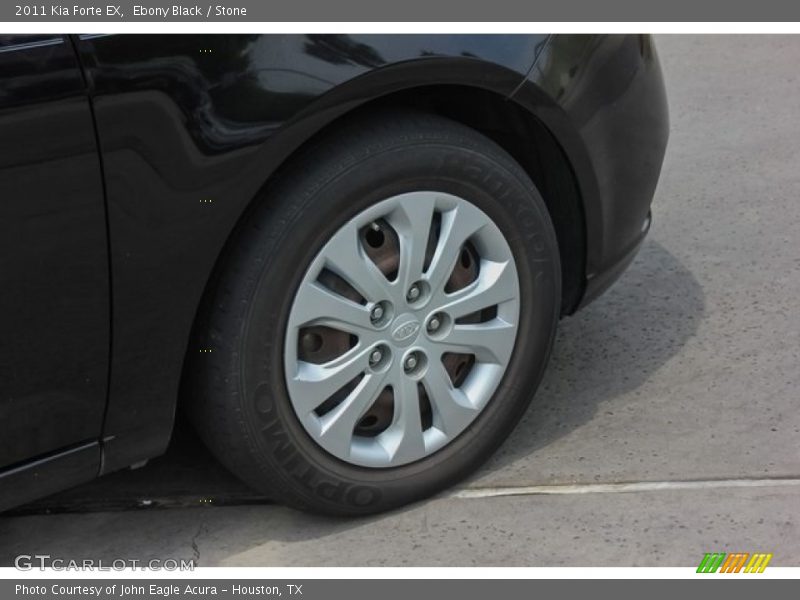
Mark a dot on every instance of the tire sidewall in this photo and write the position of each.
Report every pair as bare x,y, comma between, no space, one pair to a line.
490,181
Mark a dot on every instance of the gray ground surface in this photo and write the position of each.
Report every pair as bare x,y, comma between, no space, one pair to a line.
686,370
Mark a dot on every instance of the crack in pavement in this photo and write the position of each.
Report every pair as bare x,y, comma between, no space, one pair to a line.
195,548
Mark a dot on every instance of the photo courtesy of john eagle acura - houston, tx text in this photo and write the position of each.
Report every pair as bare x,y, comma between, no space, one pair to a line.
343,257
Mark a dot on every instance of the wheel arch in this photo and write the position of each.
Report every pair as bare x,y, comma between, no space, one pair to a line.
517,129
481,104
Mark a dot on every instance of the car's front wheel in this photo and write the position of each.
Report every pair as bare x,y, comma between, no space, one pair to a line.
382,318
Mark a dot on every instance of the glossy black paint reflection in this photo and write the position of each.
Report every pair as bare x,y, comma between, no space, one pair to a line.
49,474
237,90
54,305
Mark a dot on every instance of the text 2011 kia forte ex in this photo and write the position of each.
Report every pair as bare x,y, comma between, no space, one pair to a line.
346,255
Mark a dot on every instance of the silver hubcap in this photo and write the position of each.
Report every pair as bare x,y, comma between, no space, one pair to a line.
401,329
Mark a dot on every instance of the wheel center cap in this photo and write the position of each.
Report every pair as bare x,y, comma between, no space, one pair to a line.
405,328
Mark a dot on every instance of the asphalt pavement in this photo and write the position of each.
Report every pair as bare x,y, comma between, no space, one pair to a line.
667,425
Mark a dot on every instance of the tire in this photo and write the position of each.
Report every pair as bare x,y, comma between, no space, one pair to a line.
239,398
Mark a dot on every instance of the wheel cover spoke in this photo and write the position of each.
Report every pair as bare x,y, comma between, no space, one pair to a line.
457,226
343,256
319,306
452,409
487,341
493,286
313,384
412,220
336,431
418,369
404,439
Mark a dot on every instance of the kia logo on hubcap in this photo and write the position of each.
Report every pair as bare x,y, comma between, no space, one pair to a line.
407,329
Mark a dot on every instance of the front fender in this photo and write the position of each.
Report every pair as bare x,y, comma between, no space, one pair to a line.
190,128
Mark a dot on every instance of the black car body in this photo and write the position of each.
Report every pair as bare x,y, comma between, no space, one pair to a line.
126,162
